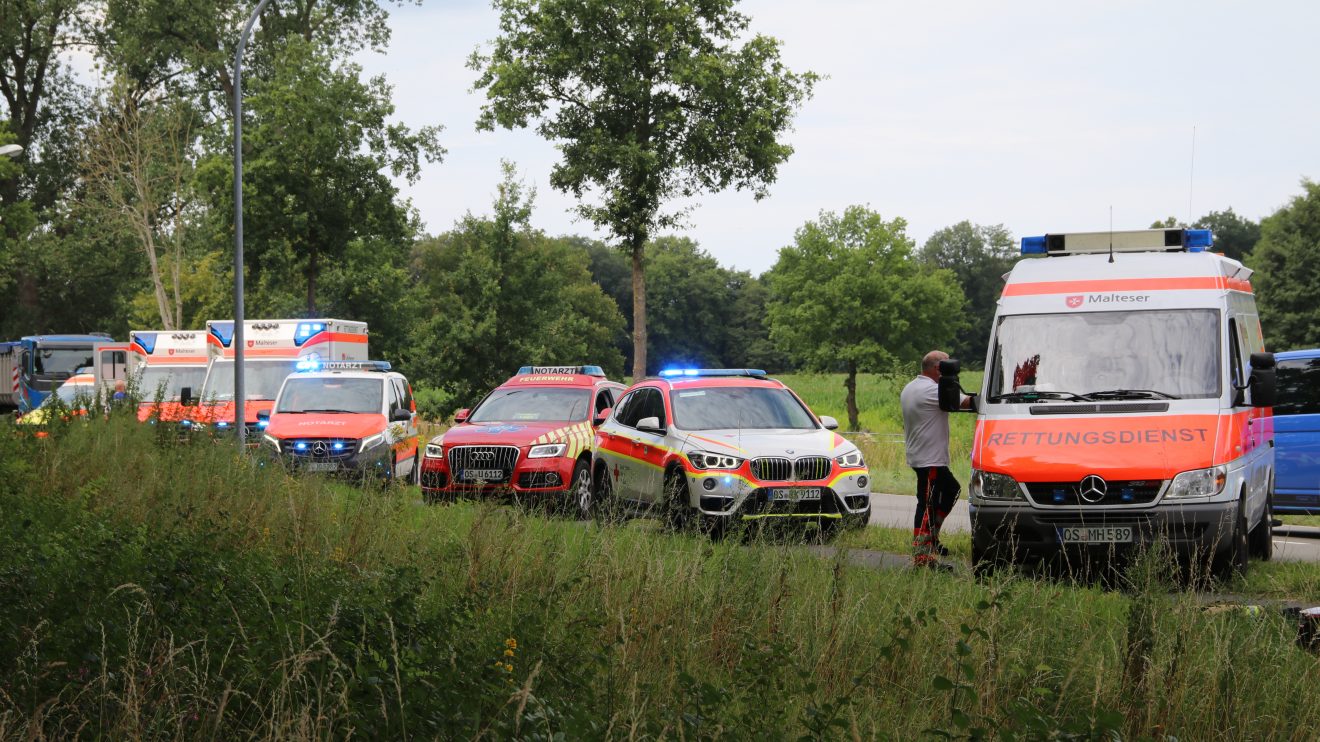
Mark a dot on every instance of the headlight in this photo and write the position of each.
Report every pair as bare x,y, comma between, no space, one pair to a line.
851,460
435,451
547,451
1199,482
708,460
989,486
271,440
371,442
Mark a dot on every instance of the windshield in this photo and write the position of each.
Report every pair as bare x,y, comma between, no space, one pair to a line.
261,380
167,381
53,361
740,407
1164,353
534,404
331,395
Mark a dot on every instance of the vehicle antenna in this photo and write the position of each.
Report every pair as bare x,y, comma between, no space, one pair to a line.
1111,233
1191,174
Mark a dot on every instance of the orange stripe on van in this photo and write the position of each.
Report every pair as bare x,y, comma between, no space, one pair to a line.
1202,283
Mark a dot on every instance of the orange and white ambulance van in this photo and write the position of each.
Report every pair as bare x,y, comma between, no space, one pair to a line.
163,363
1126,398
274,348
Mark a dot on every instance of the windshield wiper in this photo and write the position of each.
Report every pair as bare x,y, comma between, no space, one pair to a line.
331,412
1131,394
1037,396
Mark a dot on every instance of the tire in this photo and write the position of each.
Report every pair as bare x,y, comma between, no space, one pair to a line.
415,478
1261,541
1232,562
677,502
605,508
582,491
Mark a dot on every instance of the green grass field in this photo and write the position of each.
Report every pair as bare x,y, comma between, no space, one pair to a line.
154,590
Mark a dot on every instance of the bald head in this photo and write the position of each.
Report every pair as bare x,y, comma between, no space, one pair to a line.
930,363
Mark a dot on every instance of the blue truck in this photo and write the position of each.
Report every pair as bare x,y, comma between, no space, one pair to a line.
34,366
1297,433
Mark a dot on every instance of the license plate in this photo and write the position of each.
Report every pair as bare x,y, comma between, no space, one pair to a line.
322,465
484,475
1096,535
795,493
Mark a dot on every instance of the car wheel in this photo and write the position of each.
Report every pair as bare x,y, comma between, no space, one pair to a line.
1233,561
605,508
581,490
677,502
1261,541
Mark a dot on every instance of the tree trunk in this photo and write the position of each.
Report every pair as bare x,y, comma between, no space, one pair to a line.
639,308
850,383
311,284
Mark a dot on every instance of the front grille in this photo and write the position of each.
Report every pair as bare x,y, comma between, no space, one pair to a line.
811,468
496,461
1098,408
772,469
319,449
1068,494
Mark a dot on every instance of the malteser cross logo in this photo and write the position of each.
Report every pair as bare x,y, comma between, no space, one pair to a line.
1075,301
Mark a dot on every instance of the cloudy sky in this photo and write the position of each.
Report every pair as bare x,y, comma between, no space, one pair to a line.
1040,116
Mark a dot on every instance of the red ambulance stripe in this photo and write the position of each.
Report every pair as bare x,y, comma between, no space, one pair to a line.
1037,288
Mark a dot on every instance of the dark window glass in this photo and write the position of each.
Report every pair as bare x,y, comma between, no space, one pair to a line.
736,407
168,381
1298,387
331,394
53,361
531,404
261,379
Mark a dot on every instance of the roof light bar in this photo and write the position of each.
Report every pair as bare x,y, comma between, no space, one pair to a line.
1136,240
313,363
671,373
578,370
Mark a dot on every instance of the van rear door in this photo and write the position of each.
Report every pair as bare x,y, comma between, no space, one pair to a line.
1297,436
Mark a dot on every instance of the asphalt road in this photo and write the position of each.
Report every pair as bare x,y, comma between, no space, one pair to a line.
1291,544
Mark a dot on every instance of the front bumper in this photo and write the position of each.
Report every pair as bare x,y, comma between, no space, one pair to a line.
846,496
1018,531
529,476
377,462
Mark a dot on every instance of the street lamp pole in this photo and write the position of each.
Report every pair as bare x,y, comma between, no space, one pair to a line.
240,421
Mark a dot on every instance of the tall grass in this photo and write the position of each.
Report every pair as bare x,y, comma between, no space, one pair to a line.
156,590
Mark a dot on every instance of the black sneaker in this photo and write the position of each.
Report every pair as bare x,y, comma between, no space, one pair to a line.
941,550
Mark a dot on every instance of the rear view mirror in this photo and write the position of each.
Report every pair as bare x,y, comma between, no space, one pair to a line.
1262,382
602,416
401,415
950,391
263,416
186,397
650,425
462,415
829,423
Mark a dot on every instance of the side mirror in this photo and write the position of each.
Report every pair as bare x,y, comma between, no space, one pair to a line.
186,397
400,416
263,416
602,416
1263,380
650,425
462,415
829,422
950,391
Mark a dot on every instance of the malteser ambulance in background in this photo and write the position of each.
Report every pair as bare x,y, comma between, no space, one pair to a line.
163,363
273,350
1126,398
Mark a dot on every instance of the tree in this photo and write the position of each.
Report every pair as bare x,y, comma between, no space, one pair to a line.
650,101
496,294
978,256
1235,236
1287,265
848,295
139,168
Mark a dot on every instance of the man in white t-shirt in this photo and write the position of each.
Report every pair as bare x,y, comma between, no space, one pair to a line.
926,430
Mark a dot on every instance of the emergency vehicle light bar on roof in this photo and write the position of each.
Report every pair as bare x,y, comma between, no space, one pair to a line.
1136,240
316,364
671,373
582,370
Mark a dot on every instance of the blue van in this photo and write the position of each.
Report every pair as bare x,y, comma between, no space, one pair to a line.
1297,433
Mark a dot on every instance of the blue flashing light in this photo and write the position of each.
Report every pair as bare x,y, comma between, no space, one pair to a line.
671,373
145,339
1198,240
306,331
185,423
308,364
224,332
583,370
1059,497
222,424
262,424
728,480
1033,245
338,445
356,366
1126,495
300,445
